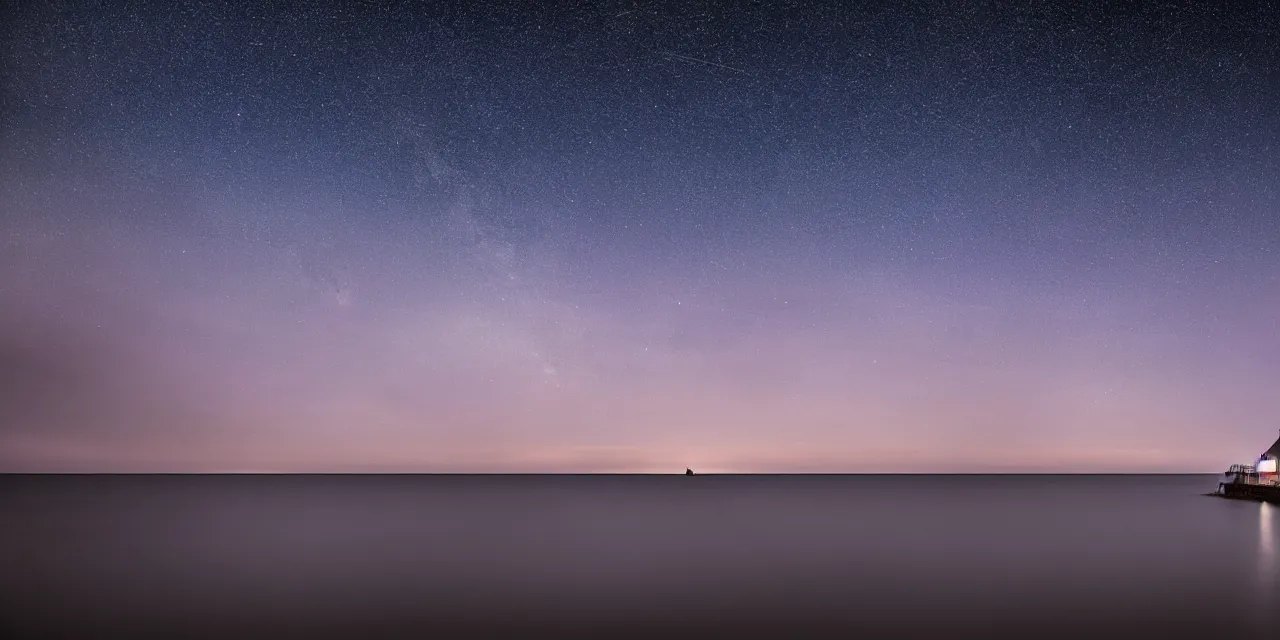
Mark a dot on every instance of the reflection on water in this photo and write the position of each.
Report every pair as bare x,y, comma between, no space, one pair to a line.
1266,594
1267,547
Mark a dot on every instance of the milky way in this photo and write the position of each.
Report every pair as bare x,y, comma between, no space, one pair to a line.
626,237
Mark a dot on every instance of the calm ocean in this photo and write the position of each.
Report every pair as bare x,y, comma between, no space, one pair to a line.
646,556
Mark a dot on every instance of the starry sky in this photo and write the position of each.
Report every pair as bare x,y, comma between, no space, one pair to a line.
626,236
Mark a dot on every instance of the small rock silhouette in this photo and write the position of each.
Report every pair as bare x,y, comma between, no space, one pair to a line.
688,472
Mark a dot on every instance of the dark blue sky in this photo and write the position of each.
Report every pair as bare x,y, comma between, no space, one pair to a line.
620,236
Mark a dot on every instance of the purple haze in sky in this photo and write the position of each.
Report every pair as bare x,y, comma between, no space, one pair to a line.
619,238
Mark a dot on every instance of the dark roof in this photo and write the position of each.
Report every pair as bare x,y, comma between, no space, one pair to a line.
1274,451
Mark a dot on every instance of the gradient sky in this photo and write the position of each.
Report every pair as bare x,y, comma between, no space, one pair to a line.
630,236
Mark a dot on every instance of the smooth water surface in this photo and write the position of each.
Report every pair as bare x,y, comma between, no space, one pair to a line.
643,555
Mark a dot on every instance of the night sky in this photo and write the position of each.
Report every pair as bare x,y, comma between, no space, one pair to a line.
627,236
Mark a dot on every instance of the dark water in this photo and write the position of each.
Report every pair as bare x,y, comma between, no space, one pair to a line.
650,556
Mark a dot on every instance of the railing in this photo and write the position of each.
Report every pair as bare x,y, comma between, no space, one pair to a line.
1248,474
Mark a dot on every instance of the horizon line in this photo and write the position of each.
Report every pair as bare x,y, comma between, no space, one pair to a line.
605,473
